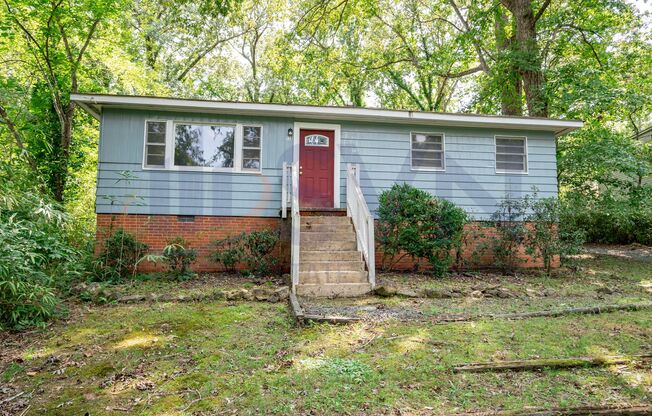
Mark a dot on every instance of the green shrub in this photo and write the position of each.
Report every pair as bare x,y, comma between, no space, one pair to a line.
610,220
119,257
411,222
228,253
546,237
178,257
35,258
508,222
257,247
536,225
254,248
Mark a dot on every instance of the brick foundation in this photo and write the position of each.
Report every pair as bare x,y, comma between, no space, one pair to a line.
472,256
201,231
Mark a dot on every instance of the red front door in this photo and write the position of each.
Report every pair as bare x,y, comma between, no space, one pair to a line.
316,168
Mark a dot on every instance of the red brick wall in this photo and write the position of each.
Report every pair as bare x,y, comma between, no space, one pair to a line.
157,230
472,256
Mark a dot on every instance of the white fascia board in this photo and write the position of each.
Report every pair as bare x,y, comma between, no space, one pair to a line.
325,113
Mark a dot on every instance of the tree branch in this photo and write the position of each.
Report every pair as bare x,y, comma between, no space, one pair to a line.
478,49
542,10
17,138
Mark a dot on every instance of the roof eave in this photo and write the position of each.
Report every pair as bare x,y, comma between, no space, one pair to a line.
93,104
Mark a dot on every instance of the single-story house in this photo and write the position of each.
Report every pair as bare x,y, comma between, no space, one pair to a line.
205,170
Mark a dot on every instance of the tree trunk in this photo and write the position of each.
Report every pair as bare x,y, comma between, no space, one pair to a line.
511,89
61,174
529,60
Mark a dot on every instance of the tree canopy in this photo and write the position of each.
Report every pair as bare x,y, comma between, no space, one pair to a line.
590,60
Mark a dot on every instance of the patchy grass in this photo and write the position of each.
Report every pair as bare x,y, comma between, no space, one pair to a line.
249,358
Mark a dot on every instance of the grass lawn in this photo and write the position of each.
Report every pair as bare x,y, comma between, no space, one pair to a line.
249,358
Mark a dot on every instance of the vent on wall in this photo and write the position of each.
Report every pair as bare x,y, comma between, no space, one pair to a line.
185,218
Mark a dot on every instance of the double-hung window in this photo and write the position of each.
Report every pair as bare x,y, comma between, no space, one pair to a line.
155,144
427,151
251,146
220,147
511,154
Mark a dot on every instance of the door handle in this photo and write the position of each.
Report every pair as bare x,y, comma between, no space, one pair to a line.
300,170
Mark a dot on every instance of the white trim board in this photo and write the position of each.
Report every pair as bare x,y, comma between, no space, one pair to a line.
94,103
335,128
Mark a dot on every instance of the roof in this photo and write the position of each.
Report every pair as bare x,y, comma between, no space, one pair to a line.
645,135
95,103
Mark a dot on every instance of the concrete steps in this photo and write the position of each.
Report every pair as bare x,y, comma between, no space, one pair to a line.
330,264
341,290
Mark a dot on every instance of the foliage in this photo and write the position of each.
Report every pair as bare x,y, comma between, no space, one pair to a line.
510,232
119,257
609,219
547,237
534,226
257,247
178,255
228,252
35,257
411,222
254,248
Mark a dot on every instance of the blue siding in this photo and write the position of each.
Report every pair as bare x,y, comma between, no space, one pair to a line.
382,150
470,180
184,192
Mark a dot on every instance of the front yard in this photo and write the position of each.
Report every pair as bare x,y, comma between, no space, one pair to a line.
221,357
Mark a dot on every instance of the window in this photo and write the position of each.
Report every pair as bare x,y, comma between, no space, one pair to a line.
204,145
155,144
511,154
427,151
316,140
251,144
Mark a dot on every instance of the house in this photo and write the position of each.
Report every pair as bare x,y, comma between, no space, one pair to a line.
644,135
209,169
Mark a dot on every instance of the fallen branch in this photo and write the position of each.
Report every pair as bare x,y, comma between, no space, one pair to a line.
576,411
526,365
592,310
12,398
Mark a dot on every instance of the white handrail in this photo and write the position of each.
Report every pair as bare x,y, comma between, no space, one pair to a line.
296,227
286,189
363,221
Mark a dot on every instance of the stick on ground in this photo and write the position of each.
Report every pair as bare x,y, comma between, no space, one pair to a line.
528,365
576,411
591,310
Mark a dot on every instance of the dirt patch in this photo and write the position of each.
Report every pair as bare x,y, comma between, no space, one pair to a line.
632,251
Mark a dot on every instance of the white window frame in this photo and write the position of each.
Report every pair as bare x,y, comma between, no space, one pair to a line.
170,148
241,151
165,144
443,152
511,172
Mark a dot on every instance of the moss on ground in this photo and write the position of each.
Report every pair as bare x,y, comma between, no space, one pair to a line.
249,358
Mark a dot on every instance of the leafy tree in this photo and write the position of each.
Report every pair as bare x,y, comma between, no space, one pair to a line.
52,40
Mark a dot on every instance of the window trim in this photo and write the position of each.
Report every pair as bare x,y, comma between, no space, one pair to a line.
170,143
165,144
511,172
242,147
443,152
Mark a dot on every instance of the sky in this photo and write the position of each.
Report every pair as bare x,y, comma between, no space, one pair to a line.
643,5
